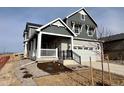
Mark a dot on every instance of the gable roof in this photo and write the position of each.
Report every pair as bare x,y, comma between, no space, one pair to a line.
58,19
85,12
113,37
32,25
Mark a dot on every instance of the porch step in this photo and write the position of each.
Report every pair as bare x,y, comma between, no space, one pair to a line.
69,62
46,59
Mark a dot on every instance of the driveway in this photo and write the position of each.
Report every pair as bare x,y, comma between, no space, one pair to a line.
114,68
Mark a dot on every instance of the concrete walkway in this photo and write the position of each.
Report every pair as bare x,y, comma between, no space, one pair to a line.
19,72
114,68
28,67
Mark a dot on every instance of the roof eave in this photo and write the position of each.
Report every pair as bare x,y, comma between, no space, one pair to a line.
39,29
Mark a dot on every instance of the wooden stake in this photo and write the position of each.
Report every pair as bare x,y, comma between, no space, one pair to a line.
91,72
102,60
109,70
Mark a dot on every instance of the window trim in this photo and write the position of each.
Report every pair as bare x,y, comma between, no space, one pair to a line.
73,26
82,17
78,31
91,32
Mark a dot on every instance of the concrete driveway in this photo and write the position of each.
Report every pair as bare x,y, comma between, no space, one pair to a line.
114,68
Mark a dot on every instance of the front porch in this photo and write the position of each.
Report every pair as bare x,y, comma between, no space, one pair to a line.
50,47
46,47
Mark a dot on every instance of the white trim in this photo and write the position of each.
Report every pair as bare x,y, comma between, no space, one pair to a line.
39,44
73,27
56,34
91,32
25,50
90,40
89,15
58,19
33,26
56,52
58,23
72,43
68,28
74,12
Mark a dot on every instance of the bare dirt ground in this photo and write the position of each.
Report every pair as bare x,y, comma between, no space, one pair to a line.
77,77
59,75
7,76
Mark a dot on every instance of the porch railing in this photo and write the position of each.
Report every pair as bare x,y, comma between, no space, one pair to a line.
76,57
49,52
69,54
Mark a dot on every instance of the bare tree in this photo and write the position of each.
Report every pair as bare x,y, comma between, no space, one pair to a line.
103,32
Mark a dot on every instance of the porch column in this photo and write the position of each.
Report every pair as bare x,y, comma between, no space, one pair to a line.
39,44
31,49
72,43
34,48
25,50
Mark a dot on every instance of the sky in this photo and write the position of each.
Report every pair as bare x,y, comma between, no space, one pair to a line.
13,22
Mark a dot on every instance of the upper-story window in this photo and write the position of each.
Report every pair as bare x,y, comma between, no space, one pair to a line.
90,30
76,27
73,25
82,17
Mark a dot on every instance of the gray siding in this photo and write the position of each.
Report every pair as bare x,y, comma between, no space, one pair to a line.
31,32
57,30
88,21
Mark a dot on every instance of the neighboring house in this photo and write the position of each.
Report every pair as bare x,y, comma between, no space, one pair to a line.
114,46
73,38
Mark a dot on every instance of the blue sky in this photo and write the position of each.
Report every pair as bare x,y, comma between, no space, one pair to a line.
13,20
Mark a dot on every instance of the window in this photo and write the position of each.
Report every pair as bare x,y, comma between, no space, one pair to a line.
85,48
79,47
82,17
90,30
90,48
76,27
73,25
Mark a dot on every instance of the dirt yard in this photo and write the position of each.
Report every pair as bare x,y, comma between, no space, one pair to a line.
7,76
59,75
77,77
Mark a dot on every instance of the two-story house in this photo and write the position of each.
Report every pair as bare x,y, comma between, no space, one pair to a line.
74,38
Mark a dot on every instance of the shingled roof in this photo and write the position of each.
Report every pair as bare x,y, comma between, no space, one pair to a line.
113,37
